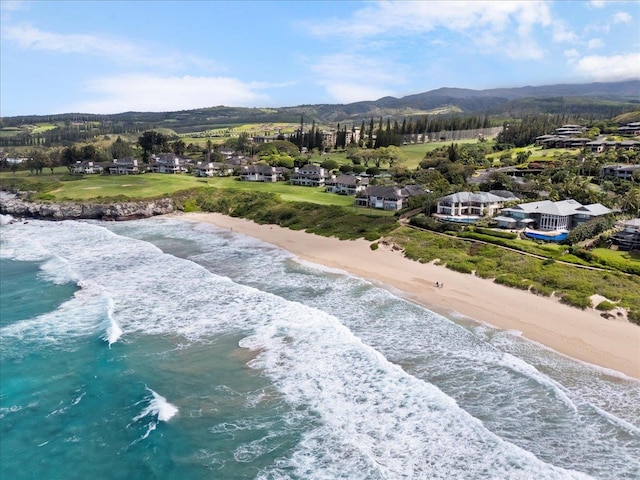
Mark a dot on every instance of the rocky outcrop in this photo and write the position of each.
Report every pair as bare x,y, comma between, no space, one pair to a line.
18,207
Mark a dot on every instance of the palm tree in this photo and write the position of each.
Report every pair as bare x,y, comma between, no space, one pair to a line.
631,201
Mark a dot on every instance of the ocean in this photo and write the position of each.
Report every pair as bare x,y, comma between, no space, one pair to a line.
165,348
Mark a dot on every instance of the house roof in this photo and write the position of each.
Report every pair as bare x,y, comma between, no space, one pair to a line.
595,209
506,194
634,222
562,208
622,167
350,180
413,190
262,169
311,168
384,191
465,197
505,219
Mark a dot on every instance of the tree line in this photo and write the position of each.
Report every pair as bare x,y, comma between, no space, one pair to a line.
67,134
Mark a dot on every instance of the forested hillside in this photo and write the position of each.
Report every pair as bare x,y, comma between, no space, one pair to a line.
590,102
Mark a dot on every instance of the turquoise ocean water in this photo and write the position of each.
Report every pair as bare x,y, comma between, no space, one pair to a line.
164,348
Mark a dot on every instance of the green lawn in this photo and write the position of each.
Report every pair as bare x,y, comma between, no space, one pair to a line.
621,260
537,153
43,127
414,154
289,193
132,186
148,185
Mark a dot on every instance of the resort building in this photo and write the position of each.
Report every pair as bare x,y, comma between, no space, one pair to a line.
167,163
623,172
599,146
549,216
213,169
632,128
470,206
309,176
86,168
569,130
266,138
259,173
387,197
347,184
124,166
227,152
628,238
353,136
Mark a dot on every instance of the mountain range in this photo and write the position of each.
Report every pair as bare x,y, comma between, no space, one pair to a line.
594,100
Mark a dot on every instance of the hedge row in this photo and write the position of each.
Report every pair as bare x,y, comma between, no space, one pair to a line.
494,233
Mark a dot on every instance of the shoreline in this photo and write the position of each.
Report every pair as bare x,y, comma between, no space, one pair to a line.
580,334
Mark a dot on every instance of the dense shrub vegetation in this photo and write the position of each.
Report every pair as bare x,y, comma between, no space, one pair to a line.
495,233
268,208
590,229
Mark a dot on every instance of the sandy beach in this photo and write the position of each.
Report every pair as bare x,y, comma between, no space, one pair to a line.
580,334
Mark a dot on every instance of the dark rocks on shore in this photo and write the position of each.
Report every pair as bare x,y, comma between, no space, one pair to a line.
14,205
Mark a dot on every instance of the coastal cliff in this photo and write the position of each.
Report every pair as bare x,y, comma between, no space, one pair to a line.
18,207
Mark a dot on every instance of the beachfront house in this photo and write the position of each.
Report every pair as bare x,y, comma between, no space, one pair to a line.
470,206
347,184
628,237
387,197
549,216
383,197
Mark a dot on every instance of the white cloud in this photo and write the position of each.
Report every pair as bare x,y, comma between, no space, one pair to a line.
344,92
411,17
120,51
571,53
29,37
489,25
139,92
561,33
621,17
595,43
610,68
523,50
13,6
597,3
352,78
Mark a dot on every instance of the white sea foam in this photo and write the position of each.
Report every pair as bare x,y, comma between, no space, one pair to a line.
7,410
64,406
6,219
385,420
59,271
158,407
79,316
114,331
515,400
374,420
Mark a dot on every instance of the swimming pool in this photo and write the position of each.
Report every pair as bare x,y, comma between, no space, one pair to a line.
445,218
547,238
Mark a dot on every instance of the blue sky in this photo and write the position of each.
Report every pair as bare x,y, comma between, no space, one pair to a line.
110,57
